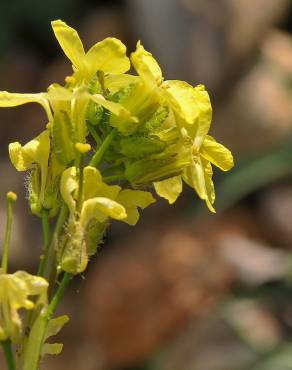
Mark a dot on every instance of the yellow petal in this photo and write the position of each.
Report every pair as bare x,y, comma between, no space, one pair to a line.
20,160
70,42
115,82
35,153
67,187
115,108
108,56
146,66
131,200
169,189
92,180
192,107
35,284
15,290
101,208
93,185
8,100
217,154
199,177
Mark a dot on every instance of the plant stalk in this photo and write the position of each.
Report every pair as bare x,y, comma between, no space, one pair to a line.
7,349
96,159
6,245
46,238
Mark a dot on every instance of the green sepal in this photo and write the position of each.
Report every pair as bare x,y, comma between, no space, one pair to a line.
94,234
139,146
157,118
155,168
94,113
73,257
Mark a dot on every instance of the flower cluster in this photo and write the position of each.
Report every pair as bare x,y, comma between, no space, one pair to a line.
145,131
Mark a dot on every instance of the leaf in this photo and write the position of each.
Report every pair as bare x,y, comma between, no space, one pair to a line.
51,349
55,325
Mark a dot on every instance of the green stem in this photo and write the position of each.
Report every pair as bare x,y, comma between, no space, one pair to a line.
6,246
58,296
8,355
46,238
113,178
37,335
94,134
96,159
49,270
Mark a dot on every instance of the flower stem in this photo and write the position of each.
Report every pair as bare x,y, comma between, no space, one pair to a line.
96,159
8,355
58,295
113,178
11,197
46,238
94,134
49,269
37,334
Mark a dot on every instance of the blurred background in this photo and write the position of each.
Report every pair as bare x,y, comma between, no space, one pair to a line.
184,290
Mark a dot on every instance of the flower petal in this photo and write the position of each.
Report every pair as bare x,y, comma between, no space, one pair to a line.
199,177
169,189
15,290
108,56
101,208
70,42
35,152
192,107
8,100
115,82
217,154
113,107
67,187
146,66
131,200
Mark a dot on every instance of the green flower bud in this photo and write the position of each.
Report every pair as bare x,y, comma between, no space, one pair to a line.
138,146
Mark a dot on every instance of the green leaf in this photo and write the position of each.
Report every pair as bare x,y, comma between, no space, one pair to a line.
55,325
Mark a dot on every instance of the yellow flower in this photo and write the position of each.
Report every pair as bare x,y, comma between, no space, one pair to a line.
192,111
45,170
199,174
15,290
99,203
108,55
